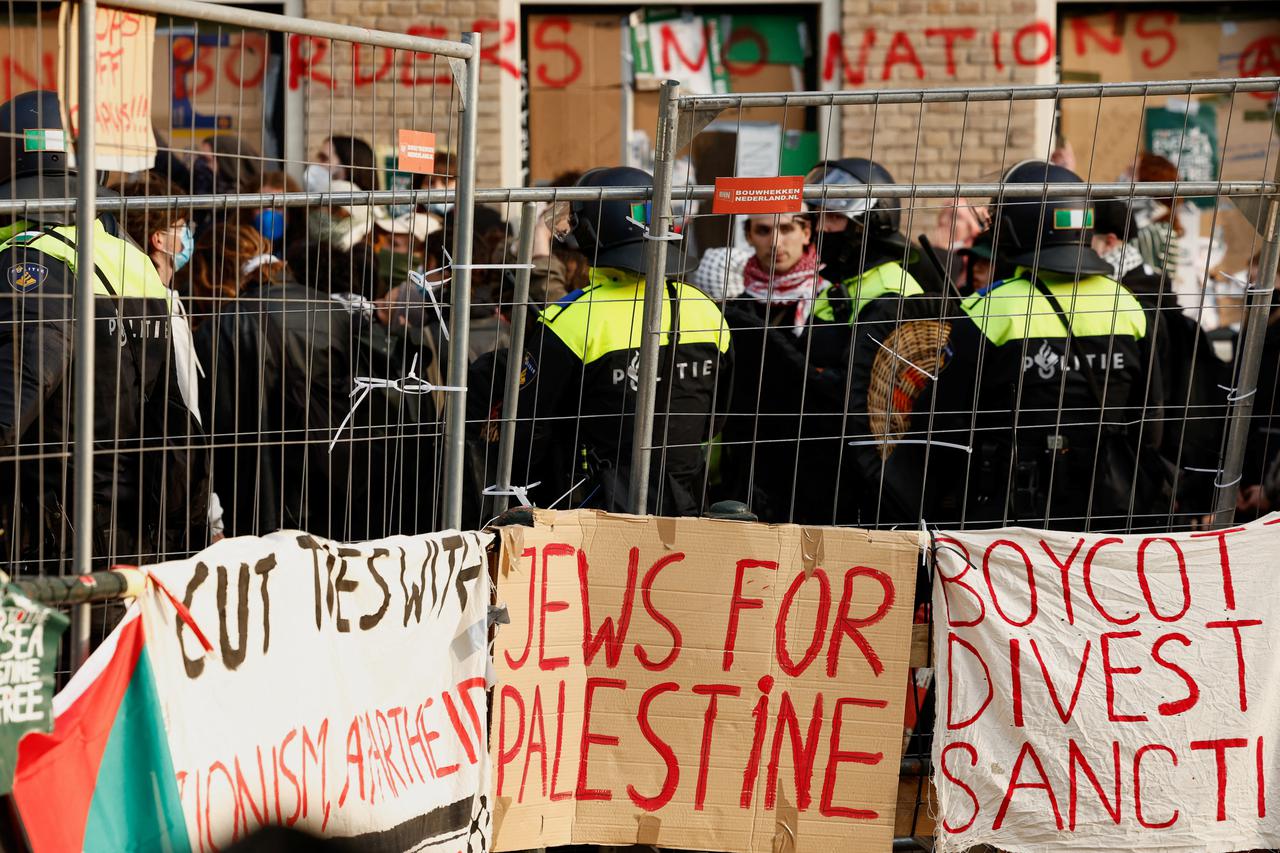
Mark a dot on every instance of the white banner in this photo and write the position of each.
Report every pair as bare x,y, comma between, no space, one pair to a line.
344,695
1099,692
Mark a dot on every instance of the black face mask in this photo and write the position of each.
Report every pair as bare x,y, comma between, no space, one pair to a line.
833,253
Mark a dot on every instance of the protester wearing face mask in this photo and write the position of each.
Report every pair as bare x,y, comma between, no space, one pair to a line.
344,164
270,221
444,178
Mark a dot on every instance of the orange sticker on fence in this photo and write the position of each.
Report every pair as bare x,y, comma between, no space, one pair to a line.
417,151
759,195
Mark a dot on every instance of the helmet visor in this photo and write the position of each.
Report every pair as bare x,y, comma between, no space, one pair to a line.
833,176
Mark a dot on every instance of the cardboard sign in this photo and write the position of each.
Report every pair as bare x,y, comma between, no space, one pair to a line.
124,53
759,195
29,634
417,151
1101,692
699,684
346,682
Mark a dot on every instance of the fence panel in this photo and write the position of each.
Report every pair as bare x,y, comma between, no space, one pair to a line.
841,411
220,367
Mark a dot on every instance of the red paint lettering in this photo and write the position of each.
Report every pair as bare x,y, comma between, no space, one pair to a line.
1015,784
789,666
612,640
900,51
646,595
854,74
713,692
1144,31
589,737
1036,28
738,603
1169,709
1182,574
1224,559
544,663
541,42
1075,758
950,35
303,67
513,663
802,752
844,626
952,640
1033,605
505,755
1088,582
1220,747
1137,785
1234,625
1109,672
660,799
837,756
1082,30
1064,569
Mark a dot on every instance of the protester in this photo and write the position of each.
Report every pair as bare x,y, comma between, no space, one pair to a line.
150,493
272,222
280,371
558,269
768,324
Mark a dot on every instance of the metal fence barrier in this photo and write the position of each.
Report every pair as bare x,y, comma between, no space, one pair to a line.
363,392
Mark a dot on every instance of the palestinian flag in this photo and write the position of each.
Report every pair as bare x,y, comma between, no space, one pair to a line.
103,780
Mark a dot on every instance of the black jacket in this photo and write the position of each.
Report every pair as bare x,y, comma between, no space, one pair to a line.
150,479
280,375
1059,436
578,395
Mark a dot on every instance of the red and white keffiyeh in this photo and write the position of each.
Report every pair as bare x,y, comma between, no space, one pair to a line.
800,284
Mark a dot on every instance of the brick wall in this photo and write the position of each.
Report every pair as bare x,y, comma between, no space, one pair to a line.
371,92
881,43
943,43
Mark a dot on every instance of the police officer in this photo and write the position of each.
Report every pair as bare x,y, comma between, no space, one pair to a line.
873,269
863,253
1052,383
150,485
580,368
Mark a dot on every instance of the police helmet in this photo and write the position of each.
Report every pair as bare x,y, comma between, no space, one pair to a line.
34,159
1053,233
880,217
610,232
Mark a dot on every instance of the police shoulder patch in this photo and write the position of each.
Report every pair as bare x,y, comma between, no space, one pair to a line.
26,277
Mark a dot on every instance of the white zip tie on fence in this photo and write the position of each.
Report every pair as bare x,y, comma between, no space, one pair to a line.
410,383
903,359
1234,482
1203,470
494,266
419,281
966,448
1232,396
648,235
520,493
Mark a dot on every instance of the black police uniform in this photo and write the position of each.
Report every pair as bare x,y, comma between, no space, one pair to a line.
150,483
1053,371
580,373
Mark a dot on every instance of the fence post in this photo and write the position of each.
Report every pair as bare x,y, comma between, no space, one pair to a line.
455,427
82,378
515,355
656,265
1241,400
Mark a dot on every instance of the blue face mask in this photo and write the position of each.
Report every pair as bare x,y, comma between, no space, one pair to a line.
270,224
188,246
